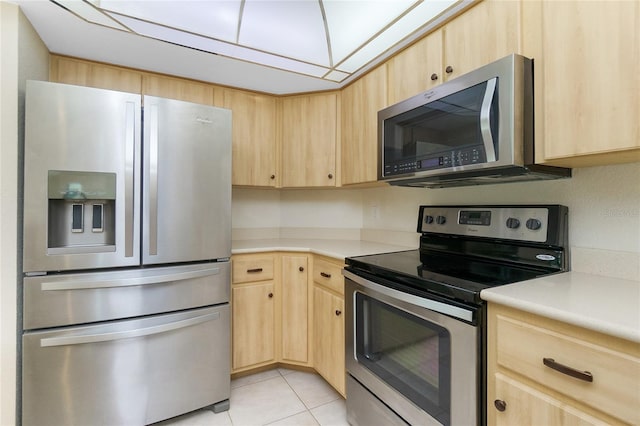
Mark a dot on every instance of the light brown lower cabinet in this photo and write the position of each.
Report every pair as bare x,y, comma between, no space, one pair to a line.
288,308
253,322
328,336
253,308
546,372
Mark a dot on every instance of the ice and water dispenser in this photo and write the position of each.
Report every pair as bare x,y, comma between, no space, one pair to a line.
82,209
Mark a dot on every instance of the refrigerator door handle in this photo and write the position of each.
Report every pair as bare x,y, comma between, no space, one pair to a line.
126,282
128,334
153,179
129,178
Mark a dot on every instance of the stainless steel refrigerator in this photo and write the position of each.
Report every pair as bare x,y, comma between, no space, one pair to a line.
127,241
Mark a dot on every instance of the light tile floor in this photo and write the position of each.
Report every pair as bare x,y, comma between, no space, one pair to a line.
278,397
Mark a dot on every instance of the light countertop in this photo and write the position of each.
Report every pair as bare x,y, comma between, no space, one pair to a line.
603,304
338,249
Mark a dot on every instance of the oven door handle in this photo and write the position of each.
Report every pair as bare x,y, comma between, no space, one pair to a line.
433,305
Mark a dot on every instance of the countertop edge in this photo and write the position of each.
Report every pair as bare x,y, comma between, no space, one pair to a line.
609,328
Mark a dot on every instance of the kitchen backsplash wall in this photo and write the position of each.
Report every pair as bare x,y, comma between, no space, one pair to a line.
604,213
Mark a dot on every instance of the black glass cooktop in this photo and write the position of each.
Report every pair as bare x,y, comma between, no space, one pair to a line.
453,276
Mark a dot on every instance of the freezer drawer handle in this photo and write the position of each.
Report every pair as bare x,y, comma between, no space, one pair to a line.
129,334
127,282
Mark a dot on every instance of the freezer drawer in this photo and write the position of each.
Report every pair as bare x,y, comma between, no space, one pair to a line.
58,300
130,372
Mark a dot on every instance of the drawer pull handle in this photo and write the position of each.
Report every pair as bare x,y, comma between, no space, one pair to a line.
301,269
324,274
500,405
577,374
254,270
270,295
338,312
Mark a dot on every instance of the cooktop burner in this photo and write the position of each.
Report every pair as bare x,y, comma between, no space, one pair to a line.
465,249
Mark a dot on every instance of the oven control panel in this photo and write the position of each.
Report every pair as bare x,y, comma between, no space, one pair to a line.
523,223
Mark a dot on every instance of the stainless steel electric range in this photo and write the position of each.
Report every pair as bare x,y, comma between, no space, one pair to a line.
415,322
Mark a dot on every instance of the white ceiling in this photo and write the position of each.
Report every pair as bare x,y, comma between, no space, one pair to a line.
270,46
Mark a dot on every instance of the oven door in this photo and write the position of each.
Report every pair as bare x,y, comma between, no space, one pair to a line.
412,354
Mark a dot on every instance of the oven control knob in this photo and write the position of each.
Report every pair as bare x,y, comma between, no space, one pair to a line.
513,223
441,220
534,224
428,219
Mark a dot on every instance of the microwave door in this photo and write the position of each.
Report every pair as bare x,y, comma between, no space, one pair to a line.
186,182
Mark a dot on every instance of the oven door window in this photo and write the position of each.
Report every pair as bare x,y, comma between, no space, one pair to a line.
408,353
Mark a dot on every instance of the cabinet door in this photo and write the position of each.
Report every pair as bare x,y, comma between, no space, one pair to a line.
486,32
177,88
253,324
254,137
328,336
92,74
361,102
309,132
416,69
587,61
527,406
295,308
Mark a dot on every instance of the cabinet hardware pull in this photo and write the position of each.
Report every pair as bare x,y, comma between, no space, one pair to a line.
273,177
270,295
577,374
254,270
434,77
330,176
338,312
301,269
449,69
500,405
324,274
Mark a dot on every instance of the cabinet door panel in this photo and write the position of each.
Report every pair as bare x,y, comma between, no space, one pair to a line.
294,309
411,71
93,74
328,320
590,61
487,32
360,105
309,131
527,406
177,88
254,137
253,324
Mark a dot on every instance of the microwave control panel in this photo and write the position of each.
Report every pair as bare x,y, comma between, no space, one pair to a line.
455,158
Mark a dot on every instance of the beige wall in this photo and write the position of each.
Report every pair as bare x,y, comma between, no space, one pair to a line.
604,212
23,57
8,207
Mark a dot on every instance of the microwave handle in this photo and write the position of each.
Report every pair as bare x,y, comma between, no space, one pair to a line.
485,122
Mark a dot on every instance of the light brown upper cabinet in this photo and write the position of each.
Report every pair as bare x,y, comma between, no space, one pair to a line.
178,88
587,80
416,69
361,102
488,31
93,74
309,134
254,138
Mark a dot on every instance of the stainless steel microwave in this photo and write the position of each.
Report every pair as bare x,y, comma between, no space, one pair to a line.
475,129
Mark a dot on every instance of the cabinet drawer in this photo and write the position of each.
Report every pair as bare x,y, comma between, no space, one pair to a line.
252,268
329,275
615,385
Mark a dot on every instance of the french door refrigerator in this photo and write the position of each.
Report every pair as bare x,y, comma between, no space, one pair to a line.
127,241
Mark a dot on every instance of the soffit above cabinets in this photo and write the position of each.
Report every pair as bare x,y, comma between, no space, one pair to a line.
279,47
